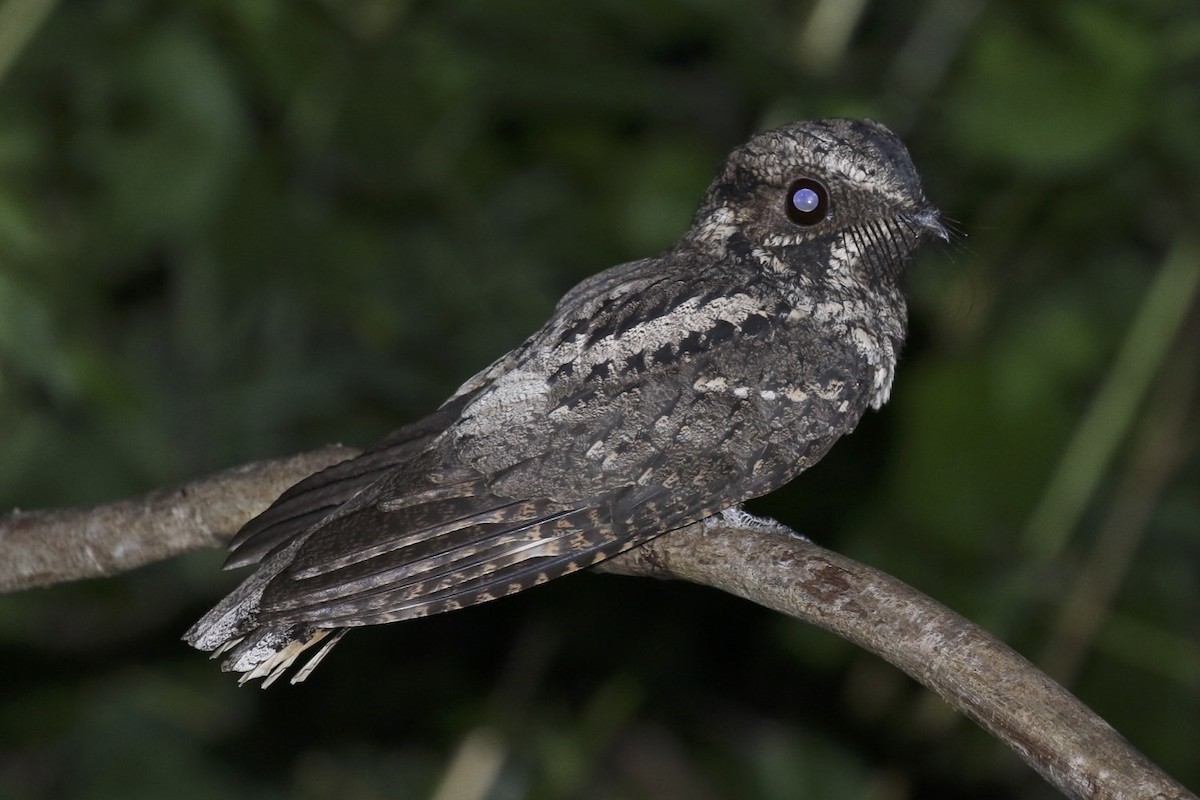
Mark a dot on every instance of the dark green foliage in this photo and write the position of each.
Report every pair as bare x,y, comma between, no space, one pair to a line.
235,230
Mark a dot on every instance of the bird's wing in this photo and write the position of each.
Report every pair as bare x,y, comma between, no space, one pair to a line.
542,475
308,502
311,500
450,546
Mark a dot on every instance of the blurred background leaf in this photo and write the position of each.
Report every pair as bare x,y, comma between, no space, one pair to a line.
230,231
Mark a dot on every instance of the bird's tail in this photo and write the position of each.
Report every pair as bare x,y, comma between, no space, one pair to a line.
230,629
268,653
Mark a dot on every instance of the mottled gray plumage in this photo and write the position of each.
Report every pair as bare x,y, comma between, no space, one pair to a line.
660,392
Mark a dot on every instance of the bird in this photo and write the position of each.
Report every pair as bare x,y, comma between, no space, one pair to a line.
661,392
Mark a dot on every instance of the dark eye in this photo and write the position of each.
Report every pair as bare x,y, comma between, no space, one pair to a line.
807,202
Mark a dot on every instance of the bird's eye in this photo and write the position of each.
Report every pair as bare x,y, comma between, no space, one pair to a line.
807,202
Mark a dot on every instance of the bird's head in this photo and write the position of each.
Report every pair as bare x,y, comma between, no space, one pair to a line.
833,200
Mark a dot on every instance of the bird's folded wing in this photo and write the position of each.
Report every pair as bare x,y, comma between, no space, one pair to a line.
448,547
308,502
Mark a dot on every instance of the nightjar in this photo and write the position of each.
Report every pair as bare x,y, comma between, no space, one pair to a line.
659,393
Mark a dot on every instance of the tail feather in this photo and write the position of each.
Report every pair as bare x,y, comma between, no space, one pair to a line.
234,616
270,652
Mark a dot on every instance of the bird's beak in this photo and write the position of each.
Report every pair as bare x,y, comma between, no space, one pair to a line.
930,219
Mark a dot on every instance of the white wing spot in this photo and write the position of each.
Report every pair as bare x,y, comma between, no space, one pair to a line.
795,395
710,385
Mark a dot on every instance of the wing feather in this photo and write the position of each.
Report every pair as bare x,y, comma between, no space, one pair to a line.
413,543
504,546
498,562
316,497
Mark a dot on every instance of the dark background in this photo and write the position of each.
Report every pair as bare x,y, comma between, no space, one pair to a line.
236,230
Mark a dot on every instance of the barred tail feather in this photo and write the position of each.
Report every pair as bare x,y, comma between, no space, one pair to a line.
269,652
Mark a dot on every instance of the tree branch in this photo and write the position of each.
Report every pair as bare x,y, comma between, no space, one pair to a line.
41,548
1050,729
